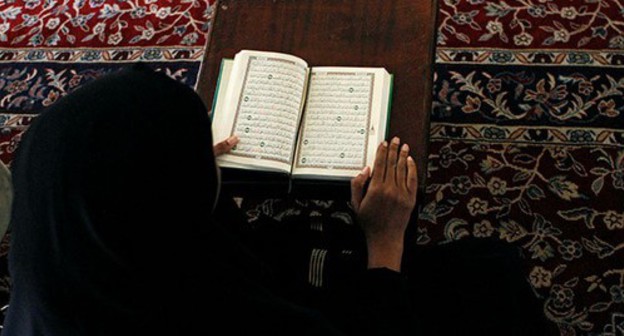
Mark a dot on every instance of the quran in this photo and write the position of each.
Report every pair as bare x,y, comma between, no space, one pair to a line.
307,122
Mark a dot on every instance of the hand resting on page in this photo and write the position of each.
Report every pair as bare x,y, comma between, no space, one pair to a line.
384,209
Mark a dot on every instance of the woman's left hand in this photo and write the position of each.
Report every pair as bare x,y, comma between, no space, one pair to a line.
226,145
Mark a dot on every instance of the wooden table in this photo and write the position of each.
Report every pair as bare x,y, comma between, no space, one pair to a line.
395,34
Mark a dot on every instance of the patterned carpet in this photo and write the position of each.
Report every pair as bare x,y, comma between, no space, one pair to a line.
50,48
527,133
527,145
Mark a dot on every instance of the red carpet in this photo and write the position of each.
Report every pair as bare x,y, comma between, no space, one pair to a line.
50,48
527,145
527,133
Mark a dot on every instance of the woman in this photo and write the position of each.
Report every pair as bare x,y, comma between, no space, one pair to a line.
113,229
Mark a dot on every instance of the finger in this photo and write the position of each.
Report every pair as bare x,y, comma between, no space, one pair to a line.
221,148
392,160
357,188
402,167
226,145
379,170
412,176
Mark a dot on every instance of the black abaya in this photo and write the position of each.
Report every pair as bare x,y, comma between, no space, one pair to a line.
113,231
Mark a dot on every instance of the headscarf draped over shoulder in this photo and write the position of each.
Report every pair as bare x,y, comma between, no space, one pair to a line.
114,187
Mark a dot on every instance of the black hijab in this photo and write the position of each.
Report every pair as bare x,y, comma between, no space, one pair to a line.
112,229
112,185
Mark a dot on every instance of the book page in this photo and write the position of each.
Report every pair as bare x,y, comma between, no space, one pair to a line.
263,107
342,121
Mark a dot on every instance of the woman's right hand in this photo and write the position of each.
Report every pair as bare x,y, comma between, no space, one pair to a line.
384,210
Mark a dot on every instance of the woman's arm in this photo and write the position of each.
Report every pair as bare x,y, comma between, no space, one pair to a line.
379,303
384,210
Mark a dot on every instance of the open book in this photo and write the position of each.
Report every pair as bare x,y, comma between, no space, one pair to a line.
308,122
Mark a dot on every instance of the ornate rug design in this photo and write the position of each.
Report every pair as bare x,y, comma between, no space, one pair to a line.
527,145
49,48
527,133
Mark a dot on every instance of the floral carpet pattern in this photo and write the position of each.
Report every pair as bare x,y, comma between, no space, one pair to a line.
48,48
527,145
527,127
